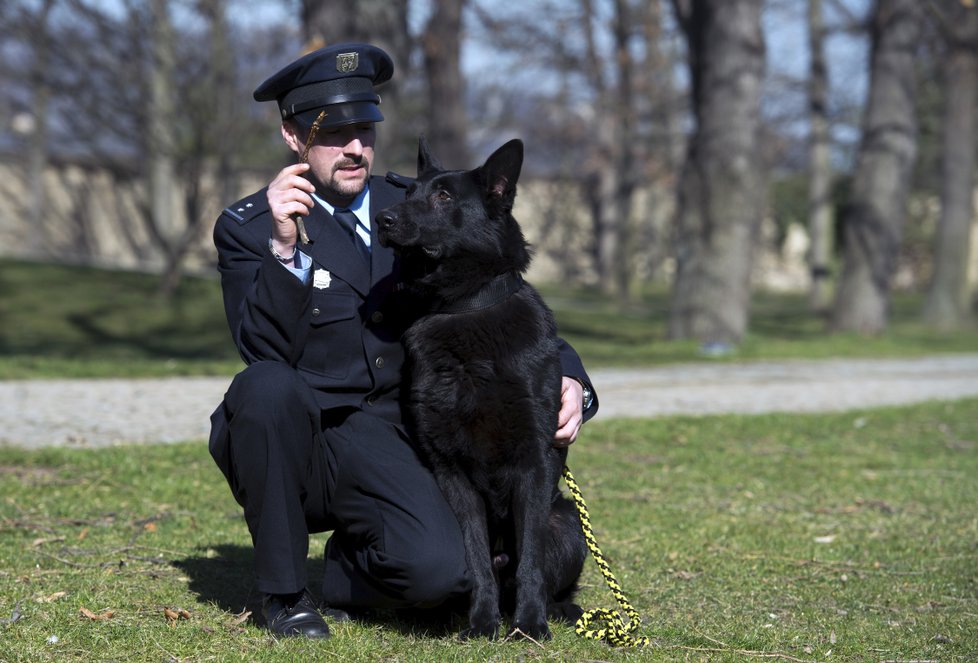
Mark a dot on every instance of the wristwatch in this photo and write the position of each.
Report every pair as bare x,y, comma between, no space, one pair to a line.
588,399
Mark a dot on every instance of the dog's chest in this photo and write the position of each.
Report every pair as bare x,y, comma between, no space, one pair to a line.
484,394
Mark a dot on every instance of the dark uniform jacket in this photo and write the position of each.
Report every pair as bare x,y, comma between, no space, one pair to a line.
341,330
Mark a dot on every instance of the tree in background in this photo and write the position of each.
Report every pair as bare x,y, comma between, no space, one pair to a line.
592,90
441,45
874,217
948,303
820,217
39,82
591,85
161,141
143,102
721,191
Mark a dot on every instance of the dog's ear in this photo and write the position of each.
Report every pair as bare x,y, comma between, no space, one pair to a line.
426,161
502,169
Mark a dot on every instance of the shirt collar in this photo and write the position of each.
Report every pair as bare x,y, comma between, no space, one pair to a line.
360,206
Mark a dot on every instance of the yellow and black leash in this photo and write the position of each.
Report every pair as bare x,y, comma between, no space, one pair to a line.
616,631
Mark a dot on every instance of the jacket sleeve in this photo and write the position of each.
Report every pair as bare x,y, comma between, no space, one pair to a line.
267,307
572,366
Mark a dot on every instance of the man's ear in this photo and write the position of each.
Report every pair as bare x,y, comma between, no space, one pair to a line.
291,137
502,169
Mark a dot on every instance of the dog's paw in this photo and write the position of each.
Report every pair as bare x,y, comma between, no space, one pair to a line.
538,631
490,631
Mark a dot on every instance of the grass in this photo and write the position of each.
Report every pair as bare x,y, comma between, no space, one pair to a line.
830,537
843,537
781,327
69,321
64,321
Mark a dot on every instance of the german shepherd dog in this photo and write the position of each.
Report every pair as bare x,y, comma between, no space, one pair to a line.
484,391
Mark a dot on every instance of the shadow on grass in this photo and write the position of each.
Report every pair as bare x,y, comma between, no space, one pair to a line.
224,576
225,579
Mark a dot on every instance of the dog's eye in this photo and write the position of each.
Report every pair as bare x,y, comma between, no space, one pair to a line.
443,195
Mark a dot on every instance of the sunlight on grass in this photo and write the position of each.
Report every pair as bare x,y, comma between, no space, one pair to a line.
816,537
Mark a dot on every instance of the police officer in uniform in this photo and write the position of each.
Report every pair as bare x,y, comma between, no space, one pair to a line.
310,434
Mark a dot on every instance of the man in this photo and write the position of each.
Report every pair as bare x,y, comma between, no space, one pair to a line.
310,435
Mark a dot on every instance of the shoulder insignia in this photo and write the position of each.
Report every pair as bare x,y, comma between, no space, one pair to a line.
248,208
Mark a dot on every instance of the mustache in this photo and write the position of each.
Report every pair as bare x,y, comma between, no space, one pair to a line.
348,163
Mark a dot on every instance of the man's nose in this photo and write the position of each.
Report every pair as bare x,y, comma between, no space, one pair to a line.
354,146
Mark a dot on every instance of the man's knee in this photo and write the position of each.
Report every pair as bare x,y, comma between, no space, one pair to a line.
262,385
266,388
434,576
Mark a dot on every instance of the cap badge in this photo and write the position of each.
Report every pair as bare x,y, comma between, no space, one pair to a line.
347,62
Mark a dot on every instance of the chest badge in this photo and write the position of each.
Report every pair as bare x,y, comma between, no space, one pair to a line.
321,279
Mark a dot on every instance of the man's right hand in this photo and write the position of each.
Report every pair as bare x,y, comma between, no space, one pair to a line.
288,194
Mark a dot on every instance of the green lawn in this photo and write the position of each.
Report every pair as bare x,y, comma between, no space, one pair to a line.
830,537
62,321
849,537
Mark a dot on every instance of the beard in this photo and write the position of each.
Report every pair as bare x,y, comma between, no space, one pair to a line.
342,183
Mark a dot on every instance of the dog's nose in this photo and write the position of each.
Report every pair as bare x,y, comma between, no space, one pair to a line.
386,219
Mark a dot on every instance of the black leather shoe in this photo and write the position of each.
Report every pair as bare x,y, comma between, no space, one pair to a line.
336,614
293,615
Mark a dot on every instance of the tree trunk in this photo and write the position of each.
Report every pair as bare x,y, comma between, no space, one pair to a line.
220,81
820,173
873,221
161,142
609,184
721,191
948,304
447,130
37,146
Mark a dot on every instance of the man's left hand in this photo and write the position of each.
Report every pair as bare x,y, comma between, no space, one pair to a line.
571,415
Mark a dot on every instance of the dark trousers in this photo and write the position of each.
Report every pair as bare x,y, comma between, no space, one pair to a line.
297,469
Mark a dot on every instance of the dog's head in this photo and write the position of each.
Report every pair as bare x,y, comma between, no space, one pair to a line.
459,222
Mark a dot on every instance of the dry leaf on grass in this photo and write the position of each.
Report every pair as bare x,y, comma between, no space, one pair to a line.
241,617
173,614
50,598
40,542
107,614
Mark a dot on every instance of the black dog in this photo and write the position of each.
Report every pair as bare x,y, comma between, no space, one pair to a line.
485,377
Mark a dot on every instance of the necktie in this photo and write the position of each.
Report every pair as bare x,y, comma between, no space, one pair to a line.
349,222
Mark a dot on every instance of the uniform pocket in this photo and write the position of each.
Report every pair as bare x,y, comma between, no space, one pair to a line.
334,340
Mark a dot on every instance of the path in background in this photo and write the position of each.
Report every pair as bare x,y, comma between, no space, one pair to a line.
94,413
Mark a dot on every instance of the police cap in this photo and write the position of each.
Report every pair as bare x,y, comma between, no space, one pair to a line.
339,79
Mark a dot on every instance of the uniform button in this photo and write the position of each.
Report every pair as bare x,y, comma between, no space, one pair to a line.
379,362
377,317
315,312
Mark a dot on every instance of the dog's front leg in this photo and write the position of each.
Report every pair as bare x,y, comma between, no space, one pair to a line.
470,510
531,513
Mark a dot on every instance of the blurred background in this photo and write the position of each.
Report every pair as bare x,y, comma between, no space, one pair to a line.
702,152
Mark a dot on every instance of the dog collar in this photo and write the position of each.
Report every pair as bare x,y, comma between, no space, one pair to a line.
494,292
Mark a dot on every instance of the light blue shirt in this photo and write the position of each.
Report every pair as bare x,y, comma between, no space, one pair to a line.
302,265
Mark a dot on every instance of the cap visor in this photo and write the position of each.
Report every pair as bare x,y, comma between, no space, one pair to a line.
340,114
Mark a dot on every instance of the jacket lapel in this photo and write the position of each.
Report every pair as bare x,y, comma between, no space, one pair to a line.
330,247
